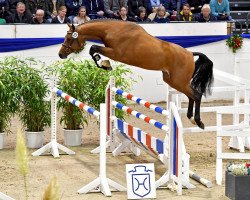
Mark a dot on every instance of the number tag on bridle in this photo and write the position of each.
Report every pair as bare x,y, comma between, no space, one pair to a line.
75,35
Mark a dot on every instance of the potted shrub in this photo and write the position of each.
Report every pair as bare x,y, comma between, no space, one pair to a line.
34,111
237,181
85,82
8,97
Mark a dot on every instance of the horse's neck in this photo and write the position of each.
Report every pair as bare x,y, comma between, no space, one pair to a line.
93,30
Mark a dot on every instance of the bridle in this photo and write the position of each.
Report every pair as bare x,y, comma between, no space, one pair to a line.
74,35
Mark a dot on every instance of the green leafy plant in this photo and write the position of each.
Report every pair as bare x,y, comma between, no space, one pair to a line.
9,101
32,89
85,82
235,42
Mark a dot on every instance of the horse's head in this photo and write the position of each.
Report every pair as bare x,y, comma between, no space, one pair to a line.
71,43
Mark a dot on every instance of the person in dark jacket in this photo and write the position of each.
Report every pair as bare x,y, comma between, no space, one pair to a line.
39,17
196,5
171,6
61,17
206,15
20,15
123,15
73,7
142,15
3,7
133,7
95,8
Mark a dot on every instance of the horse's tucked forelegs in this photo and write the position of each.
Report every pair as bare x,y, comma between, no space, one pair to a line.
104,64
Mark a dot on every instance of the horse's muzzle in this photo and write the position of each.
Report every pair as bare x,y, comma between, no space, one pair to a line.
62,56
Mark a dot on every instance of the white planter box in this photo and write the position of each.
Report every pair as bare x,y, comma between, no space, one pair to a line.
34,140
2,140
73,137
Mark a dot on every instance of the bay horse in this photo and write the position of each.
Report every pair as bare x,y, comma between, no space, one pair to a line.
129,43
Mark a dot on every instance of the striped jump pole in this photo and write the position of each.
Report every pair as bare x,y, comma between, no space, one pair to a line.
199,179
140,101
75,102
140,115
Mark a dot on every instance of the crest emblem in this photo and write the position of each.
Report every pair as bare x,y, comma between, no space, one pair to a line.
141,181
74,35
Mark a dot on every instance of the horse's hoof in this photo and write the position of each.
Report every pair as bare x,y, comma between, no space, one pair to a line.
106,65
201,125
192,120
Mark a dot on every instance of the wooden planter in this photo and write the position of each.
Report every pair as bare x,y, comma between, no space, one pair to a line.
237,187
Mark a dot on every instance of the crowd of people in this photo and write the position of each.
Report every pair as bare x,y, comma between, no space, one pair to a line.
81,11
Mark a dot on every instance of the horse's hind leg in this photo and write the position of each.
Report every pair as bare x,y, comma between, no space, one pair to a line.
190,110
197,117
94,52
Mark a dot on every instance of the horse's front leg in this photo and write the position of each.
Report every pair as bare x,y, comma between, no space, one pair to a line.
94,51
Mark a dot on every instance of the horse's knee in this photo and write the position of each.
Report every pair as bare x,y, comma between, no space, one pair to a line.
94,49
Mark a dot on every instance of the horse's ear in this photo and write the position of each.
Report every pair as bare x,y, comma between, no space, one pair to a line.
74,28
69,25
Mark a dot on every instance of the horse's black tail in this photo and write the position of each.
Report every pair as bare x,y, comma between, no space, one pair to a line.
203,74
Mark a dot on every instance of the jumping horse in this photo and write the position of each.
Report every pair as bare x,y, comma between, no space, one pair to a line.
129,43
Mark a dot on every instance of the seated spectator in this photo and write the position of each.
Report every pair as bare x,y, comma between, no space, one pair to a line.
61,17
31,6
11,6
51,8
142,15
39,17
95,8
171,7
134,5
112,7
123,15
205,15
3,9
220,9
161,15
81,17
153,5
186,14
73,8
196,5
20,15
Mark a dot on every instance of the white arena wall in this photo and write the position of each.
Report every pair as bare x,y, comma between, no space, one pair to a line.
155,88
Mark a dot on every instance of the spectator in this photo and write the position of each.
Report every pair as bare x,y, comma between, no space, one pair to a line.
142,15
153,5
73,8
133,7
61,17
11,6
82,16
161,15
220,8
112,7
39,17
51,8
31,6
20,15
123,15
196,5
3,7
95,8
205,15
171,6
186,14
